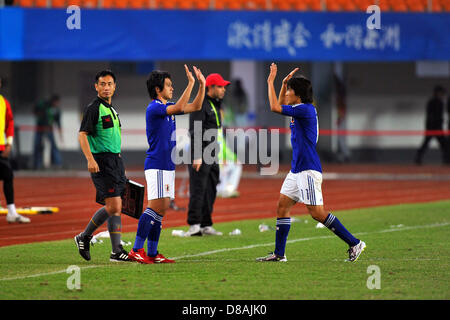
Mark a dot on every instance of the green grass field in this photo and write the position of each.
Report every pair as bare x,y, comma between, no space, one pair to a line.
408,243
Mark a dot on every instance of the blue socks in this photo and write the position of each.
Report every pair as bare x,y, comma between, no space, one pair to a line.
146,229
332,223
283,227
153,235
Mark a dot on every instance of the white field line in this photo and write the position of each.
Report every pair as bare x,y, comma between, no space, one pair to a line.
45,274
434,225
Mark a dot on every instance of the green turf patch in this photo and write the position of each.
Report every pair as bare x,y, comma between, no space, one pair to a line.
408,244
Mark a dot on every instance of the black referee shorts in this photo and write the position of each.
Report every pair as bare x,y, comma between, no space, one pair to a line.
111,180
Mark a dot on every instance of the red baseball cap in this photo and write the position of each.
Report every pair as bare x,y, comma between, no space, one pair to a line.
215,79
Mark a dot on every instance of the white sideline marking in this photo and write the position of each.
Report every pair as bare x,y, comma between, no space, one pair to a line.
434,225
44,274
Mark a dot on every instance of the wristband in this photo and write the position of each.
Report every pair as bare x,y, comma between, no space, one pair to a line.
9,140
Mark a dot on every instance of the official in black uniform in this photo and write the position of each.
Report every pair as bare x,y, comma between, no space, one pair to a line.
434,121
204,170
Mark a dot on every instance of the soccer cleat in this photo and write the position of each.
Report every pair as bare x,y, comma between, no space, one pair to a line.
121,256
194,230
355,251
17,218
139,256
234,194
272,257
83,246
210,231
159,258
227,194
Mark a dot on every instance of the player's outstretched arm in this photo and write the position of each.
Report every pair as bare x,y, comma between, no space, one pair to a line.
196,105
178,107
275,106
282,95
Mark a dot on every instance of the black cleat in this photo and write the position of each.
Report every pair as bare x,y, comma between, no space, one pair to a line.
120,256
83,246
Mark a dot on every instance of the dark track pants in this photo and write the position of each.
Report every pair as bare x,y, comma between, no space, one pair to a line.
202,190
7,175
444,144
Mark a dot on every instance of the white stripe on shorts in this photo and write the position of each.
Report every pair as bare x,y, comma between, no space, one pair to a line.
160,183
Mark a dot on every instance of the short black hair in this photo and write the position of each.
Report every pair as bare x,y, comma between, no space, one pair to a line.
302,88
104,73
156,80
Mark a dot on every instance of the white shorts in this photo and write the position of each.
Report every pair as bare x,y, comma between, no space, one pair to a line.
160,184
305,186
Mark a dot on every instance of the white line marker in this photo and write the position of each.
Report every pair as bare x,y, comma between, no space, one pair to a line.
44,274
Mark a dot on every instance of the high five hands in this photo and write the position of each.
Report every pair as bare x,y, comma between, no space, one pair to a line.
198,74
273,74
289,76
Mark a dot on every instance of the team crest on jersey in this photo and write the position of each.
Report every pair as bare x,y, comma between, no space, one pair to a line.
292,120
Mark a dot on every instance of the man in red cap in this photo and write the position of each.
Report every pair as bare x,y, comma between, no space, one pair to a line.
204,170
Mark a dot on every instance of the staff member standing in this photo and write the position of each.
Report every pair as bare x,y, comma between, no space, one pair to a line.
100,140
434,122
203,175
6,172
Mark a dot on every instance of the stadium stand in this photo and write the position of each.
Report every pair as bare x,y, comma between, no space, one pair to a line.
281,5
255,5
107,4
193,4
121,4
25,3
229,4
165,4
201,4
315,5
40,3
79,3
138,4
58,3
399,5
90,4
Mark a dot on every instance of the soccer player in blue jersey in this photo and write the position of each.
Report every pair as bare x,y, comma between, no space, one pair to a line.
159,166
303,183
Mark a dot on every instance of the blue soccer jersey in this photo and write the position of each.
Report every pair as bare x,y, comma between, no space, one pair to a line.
160,127
304,136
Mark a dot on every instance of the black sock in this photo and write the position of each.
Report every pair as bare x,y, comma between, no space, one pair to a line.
8,189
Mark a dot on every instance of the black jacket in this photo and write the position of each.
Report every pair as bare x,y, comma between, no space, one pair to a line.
448,111
435,114
208,120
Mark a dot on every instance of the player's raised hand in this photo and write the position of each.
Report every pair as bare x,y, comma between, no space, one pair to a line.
199,75
189,74
273,73
290,75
